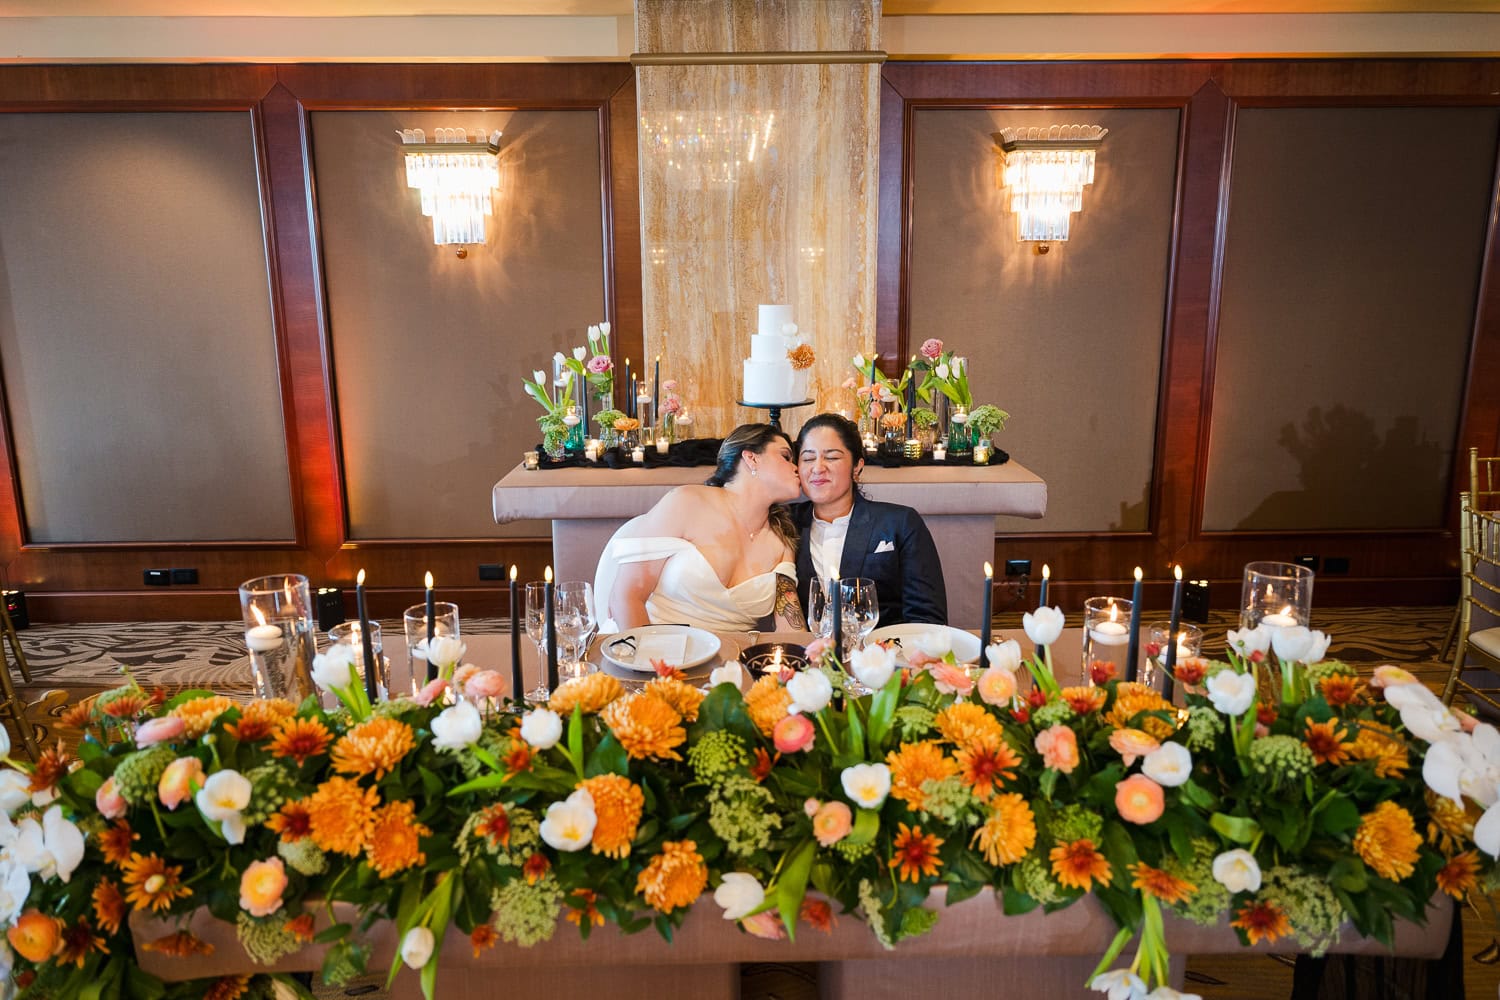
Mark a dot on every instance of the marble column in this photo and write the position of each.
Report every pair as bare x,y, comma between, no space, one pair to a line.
759,184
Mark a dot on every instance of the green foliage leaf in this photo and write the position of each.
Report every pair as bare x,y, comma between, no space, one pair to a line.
882,712
608,758
1239,829
792,885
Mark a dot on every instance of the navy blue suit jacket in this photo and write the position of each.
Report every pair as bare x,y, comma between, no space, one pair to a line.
908,576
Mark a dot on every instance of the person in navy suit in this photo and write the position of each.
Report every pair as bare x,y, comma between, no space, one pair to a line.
841,533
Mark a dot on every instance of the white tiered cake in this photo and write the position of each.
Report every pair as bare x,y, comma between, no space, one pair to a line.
769,374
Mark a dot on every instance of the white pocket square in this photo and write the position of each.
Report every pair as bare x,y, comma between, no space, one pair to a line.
886,545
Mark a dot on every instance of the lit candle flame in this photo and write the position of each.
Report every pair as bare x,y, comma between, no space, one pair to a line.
260,619
1287,611
776,660
1182,638
514,569
1177,571
1137,574
989,571
1046,572
359,581
547,574
429,581
1114,611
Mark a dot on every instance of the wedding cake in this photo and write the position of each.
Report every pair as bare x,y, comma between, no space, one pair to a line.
776,371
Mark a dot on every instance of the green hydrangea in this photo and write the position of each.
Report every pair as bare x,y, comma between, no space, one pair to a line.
1329,668
854,853
1204,727
741,811
1053,713
526,914
917,921
266,941
1309,903
915,721
717,755
344,961
498,744
1210,898
271,785
137,775
395,708
1074,822
305,857
870,909
1033,876
951,801
1282,759
524,837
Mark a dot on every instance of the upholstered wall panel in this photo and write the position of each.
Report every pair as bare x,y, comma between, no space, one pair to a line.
1351,269
1069,343
136,331
429,350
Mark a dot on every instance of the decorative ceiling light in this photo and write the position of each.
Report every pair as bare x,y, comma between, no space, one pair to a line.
703,150
1046,170
456,174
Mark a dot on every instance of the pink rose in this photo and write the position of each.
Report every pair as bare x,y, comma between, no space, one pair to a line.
997,686
262,886
110,803
154,731
600,363
430,692
672,404
1138,799
831,824
765,925
951,679
932,348
182,778
794,734
670,385
1058,747
485,684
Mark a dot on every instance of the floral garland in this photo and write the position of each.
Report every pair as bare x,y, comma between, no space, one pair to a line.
1288,798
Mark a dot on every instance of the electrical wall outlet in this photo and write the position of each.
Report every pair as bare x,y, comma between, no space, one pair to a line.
184,577
491,571
1018,567
158,577
1336,564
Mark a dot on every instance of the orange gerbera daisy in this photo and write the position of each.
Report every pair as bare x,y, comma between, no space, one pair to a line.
115,842
179,945
1161,884
394,839
535,867
1262,921
482,938
1010,832
1459,875
913,763
199,714
761,769
674,878
373,747
51,767
967,724
228,988
590,694
818,913
768,703
1191,670
1378,743
683,697
1078,865
518,757
301,739
493,824
983,768
109,905
260,719
1327,741
302,927
77,941
341,815
583,911
1084,700
1342,689
79,716
292,821
125,706
1132,698
618,802
151,882
1387,841
916,853
646,727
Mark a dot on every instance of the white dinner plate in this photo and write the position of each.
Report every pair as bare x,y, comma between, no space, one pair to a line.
679,645
965,644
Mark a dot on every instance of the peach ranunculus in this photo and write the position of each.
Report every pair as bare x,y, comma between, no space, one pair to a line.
951,679
832,822
1058,747
108,800
261,887
154,731
36,936
485,684
1132,743
794,734
462,674
1138,799
430,692
765,924
997,686
180,781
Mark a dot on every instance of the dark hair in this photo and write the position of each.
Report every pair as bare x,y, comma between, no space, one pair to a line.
754,438
848,432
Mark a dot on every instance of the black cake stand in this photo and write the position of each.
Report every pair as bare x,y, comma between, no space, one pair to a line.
776,409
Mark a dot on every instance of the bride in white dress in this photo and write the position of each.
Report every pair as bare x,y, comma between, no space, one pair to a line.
720,556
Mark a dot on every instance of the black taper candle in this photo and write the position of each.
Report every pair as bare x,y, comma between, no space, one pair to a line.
517,681
656,386
1170,660
431,628
985,630
1132,667
551,634
629,389
911,398
1041,601
367,648
836,596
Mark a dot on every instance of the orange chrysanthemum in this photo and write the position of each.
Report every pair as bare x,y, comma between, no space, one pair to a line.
115,842
618,802
78,716
1449,825
916,853
1131,699
1459,875
535,867
590,694
373,747
341,815
1327,741
302,927
768,702
1078,865
259,719
1342,689
1387,841
301,739
584,911
683,697
802,358
228,988
152,883
1262,921
51,767
1009,833
199,714
1084,700
394,839
125,706
493,824
1191,670
817,913
914,763
109,905
482,938
967,724
179,945
292,821
984,767
1161,884
1378,743
646,727
674,878
78,940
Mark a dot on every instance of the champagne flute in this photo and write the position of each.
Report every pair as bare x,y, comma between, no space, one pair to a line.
861,608
819,618
536,627
575,626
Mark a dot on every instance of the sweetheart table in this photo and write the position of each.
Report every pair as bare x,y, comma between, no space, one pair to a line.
958,502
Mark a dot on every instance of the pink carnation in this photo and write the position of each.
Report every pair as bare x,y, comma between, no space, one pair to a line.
600,363
932,348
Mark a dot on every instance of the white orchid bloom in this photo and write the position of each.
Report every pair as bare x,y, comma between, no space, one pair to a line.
15,790
541,728
1291,644
52,847
739,893
1043,625
1422,712
569,825
867,785
1487,831
1249,641
1237,871
1119,984
810,690
416,947
1169,765
1005,655
1459,765
457,726
15,886
730,673
1231,693
4,742
873,665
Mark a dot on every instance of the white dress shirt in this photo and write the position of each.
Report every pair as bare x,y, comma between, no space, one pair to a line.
826,545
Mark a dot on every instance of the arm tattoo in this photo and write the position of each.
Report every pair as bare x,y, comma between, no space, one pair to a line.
788,608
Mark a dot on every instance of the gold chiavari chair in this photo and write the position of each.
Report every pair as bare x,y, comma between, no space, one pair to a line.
1479,607
1484,494
12,706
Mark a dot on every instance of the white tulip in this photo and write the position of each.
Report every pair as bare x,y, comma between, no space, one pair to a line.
1237,871
604,329
1249,641
1005,655
1043,625
866,784
1169,765
593,334
335,668
1231,693
539,377
958,366
1119,984
810,690
1291,644
936,643
416,947
456,727
541,728
445,651
579,353
15,886
569,825
221,798
730,673
1319,647
873,665
739,894
15,790
858,361
942,370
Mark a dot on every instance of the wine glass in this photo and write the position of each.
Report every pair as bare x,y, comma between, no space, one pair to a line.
819,618
861,609
536,627
576,625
